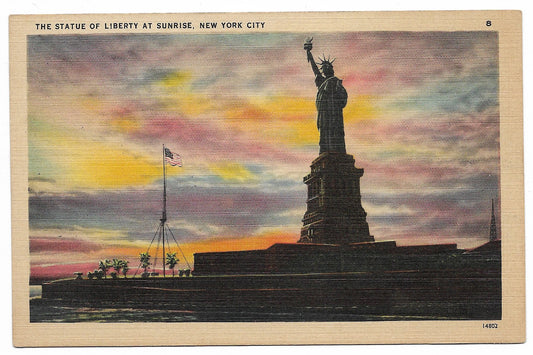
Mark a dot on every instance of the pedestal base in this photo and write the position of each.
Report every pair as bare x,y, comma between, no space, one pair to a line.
334,211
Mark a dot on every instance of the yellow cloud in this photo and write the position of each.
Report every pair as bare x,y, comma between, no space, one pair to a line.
292,108
127,123
102,166
86,163
189,104
246,112
231,171
360,108
287,107
302,133
91,103
278,120
176,79
180,97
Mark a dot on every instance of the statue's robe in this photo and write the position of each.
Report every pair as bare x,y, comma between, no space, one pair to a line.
330,100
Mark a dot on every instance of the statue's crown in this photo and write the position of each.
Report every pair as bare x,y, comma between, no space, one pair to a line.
326,62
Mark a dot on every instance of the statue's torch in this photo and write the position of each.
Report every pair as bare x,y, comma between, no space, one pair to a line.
308,45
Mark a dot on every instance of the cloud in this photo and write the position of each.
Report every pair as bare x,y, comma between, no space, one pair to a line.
62,245
422,120
232,171
468,94
463,214
74,161
232,207
209,139
391,61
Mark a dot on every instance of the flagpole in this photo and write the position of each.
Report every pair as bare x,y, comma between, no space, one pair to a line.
164,217
164,188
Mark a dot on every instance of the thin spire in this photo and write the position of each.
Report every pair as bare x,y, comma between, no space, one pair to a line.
493,233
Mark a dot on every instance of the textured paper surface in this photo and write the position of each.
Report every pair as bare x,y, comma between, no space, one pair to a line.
511,328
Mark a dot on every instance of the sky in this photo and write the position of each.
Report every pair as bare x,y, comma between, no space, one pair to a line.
422,120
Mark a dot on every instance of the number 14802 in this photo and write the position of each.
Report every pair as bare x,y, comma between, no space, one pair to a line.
490,325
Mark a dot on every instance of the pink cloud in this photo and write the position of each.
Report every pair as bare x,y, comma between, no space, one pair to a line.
61,245
58,271
363,82
209,140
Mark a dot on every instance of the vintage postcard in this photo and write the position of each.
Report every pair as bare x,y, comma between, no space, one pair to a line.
267,178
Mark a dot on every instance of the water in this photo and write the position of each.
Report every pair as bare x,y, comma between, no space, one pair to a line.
52,311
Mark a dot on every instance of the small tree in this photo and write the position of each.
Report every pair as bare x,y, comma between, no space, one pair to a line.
118,264
145,261
104,266
171,261
125,267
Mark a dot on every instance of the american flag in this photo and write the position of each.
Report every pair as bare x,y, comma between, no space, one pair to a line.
172,158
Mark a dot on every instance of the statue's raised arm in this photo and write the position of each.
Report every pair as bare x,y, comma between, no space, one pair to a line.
308,45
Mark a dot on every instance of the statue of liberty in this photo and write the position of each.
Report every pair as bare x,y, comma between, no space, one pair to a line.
331,98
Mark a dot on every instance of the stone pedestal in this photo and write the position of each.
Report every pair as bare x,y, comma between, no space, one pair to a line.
334,211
